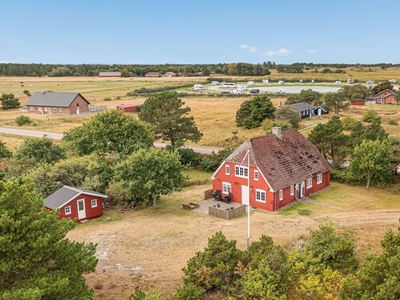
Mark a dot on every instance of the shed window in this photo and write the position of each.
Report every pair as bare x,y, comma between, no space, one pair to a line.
319,178
94,203
260,196
226,188
67,210
280,195
227,170
291,190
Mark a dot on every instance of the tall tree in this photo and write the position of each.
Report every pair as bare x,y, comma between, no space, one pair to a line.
371,160
381,87
330,141
336,101
253,112
4,152
148,174
109,132
290,114
37,260
356,91
9,101
39,150
166,112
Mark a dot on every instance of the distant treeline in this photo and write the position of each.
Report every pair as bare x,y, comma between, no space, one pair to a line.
235,69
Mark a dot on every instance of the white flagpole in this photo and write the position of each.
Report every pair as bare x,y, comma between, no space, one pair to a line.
248,206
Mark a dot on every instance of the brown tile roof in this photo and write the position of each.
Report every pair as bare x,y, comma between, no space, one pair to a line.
152,74
282,161
384,92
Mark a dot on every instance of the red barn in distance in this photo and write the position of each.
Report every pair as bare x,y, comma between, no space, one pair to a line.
284,166
76,203
128,107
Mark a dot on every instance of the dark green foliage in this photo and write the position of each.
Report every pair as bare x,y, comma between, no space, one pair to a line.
348,123
371,132
40,150
149,173
214,268
356,91
381,87
4,152
37,260
23,120
8,101
289,114
330,141
189,291
26,92
336,101
344,176
379,277
109,132
168,116
208,164
144,90
253,112
308,96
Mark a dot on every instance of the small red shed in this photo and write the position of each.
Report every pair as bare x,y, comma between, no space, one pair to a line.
271,171
76,203
128,107
357,102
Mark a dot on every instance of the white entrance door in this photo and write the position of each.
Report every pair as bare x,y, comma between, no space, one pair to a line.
300,189
245,194
77,110
81,209
49,110
319,111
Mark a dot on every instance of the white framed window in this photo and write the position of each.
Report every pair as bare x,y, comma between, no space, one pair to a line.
309,182
67,210
241,171
280,195
226,188
255,175
260,196
39,109
94,203
292,190
32,108
227,170
319,178
60,109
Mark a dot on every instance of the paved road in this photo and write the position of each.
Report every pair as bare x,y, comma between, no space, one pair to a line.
58,136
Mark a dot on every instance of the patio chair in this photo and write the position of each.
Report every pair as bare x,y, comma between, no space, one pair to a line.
217,195
227,199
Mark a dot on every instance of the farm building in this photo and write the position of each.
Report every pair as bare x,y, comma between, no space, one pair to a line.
385,97
271,171
306,110
128,107
152,74
110,74
169,74
76,203
57,103
357,102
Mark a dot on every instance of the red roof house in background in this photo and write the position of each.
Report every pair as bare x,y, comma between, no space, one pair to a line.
284,166
169,74
76,203
128,107
386,97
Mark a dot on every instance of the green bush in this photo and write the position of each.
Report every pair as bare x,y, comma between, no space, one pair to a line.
344,176
369,116
208,165
23,120
188,157
393,122
348,123
107,99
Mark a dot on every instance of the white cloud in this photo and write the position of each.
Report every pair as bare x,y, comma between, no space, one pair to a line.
312,51
280,52
251,48
3,62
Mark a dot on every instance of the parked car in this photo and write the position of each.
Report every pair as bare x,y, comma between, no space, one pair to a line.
225,92
254,91
238,91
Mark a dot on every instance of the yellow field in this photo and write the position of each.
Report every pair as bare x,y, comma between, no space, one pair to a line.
215,116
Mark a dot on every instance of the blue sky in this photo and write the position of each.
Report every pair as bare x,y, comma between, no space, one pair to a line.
197,32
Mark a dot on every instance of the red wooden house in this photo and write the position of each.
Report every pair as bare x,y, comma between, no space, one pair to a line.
76,203
357,102
128,107
280,168
386,97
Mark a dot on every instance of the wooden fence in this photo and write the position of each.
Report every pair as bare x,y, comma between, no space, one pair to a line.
227,213
97,108
208,194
